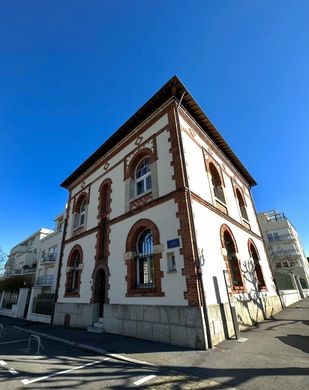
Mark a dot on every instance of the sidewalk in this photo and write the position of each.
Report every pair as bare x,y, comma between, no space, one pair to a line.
275,356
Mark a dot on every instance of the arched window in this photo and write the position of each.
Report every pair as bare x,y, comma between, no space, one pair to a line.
144,260
216,183
257,267
105,199
143,255
80,212
241,204
143,177
74,271
232,260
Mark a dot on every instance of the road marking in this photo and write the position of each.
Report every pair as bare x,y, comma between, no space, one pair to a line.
145,379
16,341
13,371
27,381
3,363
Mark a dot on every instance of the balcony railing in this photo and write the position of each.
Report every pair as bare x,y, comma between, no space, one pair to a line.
288,253
49,258
45,280
281,237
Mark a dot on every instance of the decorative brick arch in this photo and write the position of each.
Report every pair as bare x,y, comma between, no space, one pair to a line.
102,267
136,230
105,198
139,156
223,229
69,274
257,265
81,197
232,262
134,233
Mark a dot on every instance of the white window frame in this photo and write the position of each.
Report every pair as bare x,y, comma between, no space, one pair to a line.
143,178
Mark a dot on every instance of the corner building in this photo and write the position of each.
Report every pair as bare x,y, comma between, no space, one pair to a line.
162,236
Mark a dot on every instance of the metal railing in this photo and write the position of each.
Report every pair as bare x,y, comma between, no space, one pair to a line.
50,257
45,280
281,237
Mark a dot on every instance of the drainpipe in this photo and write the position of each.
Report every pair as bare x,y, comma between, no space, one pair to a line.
60,259
208,339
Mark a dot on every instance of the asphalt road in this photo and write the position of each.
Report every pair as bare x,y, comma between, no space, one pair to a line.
59,367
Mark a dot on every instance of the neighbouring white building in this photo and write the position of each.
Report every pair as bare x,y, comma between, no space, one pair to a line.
162,239
38,256
289,262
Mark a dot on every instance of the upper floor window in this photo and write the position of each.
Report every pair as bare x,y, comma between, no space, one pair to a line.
257,267
216,183
143,177
80,212
241,204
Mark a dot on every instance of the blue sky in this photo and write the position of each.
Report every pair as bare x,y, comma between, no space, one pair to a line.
71,72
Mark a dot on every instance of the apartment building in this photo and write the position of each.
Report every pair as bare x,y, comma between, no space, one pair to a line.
162,240
285,252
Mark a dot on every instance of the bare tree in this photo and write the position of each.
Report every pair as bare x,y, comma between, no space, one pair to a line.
3,260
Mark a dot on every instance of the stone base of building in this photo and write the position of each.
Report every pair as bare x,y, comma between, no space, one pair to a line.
177,325
248,313
75,315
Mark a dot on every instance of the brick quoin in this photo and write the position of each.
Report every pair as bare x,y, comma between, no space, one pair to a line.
190,271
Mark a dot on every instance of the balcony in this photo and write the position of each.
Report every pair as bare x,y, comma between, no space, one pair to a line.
45,280
49,258
286,253
282,237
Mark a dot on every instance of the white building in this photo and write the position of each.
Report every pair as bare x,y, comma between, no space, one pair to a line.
157,218
38,256
286,253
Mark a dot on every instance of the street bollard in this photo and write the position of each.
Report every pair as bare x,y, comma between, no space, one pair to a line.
36,339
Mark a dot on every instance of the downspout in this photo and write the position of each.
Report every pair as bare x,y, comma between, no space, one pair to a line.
209,343
60,259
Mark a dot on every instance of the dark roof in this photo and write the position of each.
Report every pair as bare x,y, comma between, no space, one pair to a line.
173,88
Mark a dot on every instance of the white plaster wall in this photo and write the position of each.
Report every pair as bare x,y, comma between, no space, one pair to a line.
208,226
87,244
173,284
163,121
199,180
116,174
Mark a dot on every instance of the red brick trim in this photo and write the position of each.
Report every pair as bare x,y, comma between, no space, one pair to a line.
257,263
81,235
69,276
132,238
105,191
95,287
130,138
138,156
208,159
78,201
234,289
181,198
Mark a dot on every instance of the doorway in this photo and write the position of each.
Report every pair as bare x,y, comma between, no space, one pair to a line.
99,296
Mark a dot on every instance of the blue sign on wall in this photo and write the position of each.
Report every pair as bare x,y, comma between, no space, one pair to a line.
173,243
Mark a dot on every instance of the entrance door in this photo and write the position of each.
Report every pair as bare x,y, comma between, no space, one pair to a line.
100,290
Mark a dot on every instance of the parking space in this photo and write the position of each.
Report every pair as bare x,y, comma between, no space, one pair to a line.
58,366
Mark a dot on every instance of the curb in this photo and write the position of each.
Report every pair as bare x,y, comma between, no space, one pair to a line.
86,347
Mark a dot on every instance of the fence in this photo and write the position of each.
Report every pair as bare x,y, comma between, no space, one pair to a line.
43,304
9,299
284,281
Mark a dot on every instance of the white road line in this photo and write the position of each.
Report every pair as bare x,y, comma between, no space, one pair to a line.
13,371
145,379
16,341
3,363
27,381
